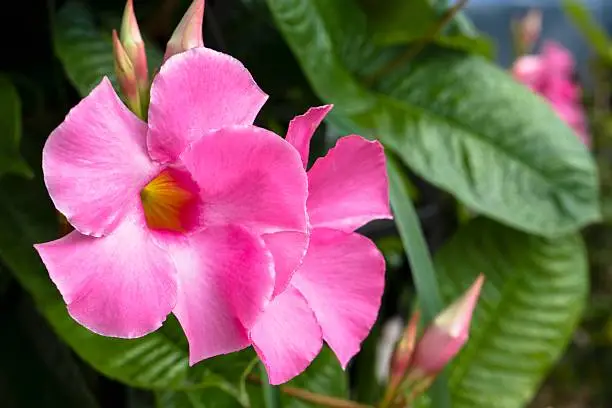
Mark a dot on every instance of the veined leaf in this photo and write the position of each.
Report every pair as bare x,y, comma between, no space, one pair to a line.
533,296
456,120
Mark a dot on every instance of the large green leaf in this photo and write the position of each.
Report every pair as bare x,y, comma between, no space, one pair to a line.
85,48
456,120
534,293
10,130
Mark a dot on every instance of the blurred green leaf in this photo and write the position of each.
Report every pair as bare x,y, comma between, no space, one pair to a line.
533,296
85,48
590,29
10,130
456,120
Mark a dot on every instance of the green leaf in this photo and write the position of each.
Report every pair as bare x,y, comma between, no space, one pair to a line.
156,361
85,48
590,29
456,120
10,130
533,296
211,397
85,51
324,376
393,22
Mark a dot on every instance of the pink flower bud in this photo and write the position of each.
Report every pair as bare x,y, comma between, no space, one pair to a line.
529,28
126,75
404,350
526,31
188,34
444,338
134,45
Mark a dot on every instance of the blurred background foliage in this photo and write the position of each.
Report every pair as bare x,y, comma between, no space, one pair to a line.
500,184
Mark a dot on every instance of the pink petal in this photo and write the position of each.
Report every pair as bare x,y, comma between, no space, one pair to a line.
95,163
251,177
287,336
342,279
348,187
302,127
530,70
119,285
197,91
226,278
558,59
288,250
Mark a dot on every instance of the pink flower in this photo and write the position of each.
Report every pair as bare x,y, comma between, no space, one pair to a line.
170,215
334,294
550,75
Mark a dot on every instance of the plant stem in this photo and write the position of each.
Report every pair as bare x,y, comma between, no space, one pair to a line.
421,266
270,392
309,396
418,46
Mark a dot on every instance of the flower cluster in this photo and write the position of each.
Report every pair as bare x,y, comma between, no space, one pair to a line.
195,211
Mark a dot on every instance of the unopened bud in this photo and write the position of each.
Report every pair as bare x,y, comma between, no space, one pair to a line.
444,338
126,75
404,350
134,45
527,31
188,33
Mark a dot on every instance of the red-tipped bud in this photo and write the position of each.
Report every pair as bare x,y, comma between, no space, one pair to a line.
126,75
134,45
444,338
526,31
188,34
404,350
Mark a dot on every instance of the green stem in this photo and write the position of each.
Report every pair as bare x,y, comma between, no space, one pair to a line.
415,246
421,265
270,392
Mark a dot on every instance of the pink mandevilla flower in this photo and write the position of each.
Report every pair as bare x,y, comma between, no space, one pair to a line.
173,215
550,75
334,295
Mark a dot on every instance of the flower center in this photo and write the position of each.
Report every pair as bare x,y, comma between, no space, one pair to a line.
170,201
